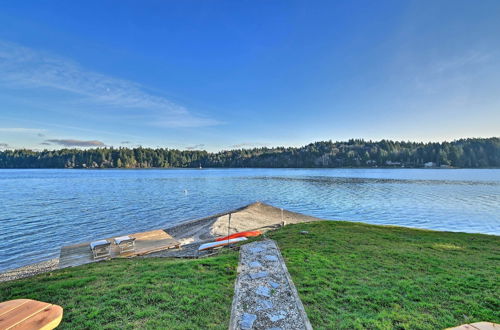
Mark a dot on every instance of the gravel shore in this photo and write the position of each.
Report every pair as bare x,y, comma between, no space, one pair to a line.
30,270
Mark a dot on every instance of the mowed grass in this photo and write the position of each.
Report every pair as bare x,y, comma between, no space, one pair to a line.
358,276
349,276
151,293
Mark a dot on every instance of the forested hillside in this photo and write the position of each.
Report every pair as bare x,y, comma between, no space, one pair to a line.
469,153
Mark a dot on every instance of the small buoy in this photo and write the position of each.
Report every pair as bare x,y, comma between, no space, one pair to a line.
185,191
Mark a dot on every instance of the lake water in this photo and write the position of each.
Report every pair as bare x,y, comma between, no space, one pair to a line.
41,210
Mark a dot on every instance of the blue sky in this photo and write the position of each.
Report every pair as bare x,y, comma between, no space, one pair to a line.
227,74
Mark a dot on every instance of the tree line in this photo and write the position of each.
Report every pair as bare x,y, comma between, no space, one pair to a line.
463,153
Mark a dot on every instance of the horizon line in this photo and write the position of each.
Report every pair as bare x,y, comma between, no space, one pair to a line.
188,149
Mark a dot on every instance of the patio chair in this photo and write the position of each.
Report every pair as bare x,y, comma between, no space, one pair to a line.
100,249
125,243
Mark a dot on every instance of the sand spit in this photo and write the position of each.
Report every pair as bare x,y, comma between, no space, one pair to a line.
192,233
255,216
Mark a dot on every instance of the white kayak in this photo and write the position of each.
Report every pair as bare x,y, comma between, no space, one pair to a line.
221,243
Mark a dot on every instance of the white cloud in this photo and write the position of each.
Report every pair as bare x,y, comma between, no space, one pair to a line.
27,68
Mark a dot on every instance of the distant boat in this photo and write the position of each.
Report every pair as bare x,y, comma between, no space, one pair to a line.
200,167
212,245
241,234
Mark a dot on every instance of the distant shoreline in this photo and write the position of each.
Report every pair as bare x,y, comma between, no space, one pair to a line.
354,153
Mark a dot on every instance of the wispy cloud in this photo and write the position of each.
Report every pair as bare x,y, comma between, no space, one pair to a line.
248,145
458,62
185,120
125,142
27,68
451,73
21,130
45,144
76,143
195,147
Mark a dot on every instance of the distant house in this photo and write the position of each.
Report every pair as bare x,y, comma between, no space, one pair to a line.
430,164
391,163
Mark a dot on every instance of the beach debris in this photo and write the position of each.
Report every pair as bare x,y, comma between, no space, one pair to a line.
304,232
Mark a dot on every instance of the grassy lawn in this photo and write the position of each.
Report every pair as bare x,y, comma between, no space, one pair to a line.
358,276
349,276
138,293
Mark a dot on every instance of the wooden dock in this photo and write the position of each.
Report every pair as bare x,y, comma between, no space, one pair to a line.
146,242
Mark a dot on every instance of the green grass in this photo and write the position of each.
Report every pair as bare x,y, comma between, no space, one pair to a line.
358,276
349,276
149,293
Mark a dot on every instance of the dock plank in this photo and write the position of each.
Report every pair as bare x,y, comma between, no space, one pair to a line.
145,243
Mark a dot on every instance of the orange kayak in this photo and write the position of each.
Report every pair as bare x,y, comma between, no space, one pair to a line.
241,234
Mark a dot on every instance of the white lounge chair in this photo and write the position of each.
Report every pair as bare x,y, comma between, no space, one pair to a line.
100,249
125,243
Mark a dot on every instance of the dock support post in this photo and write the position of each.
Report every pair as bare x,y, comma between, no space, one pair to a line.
228,229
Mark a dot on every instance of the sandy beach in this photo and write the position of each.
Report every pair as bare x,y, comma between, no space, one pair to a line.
255,216
192,233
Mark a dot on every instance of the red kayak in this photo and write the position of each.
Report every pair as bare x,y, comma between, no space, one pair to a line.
242,234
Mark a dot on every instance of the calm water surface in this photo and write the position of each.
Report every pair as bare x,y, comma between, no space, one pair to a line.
41,210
